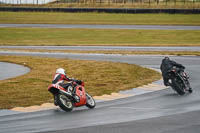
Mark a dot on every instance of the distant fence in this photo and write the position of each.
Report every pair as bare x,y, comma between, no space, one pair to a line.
126,2
18,2
105,10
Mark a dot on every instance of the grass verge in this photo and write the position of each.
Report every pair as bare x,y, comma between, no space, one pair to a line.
98,18
45,36
100,78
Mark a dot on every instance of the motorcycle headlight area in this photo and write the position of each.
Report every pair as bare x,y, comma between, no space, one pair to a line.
77,98
70,88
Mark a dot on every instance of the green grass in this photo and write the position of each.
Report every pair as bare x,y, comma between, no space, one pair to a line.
98,18
45,36
100,78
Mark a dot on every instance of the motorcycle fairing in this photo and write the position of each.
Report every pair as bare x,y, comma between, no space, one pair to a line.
54,88
80,92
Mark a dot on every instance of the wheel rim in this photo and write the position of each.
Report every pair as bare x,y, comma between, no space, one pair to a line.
90,100
65,101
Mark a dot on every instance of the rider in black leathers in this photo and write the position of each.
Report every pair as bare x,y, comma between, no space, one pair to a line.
167,65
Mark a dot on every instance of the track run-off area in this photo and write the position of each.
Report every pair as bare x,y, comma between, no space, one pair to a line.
156,112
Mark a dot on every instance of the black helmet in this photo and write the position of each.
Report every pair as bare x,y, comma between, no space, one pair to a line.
166,58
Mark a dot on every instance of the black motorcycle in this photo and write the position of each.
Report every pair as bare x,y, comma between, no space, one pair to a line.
178,80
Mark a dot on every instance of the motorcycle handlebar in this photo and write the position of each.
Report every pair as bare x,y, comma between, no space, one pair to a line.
77,81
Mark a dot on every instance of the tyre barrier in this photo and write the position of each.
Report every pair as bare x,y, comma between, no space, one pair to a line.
101,10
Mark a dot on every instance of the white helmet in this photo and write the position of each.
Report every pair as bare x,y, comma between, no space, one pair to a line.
60,70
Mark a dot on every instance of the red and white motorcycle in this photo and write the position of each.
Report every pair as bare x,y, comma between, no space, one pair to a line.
67,100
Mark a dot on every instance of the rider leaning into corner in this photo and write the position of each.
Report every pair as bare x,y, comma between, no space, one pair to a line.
167,65
59,79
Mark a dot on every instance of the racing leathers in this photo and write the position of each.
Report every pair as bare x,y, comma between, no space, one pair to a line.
167,65
60,78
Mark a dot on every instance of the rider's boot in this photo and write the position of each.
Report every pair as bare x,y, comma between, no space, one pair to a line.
55,101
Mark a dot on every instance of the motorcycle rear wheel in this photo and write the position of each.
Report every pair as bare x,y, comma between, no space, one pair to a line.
64,102
90,101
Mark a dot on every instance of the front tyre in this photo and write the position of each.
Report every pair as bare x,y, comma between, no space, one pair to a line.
90,101
190,90
64,102
178,87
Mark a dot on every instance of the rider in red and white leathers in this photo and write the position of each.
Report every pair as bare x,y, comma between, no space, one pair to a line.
60,77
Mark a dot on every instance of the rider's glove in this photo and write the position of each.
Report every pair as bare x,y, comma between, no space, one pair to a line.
183,67
79,82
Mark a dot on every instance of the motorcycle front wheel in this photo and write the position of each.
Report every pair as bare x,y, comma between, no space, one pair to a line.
178,87
90,101
64,102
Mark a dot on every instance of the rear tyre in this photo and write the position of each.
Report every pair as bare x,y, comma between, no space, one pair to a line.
64,102
90,101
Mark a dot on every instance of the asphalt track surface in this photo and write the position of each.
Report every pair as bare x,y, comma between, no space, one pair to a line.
158,112
10,70
104,48
87,26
